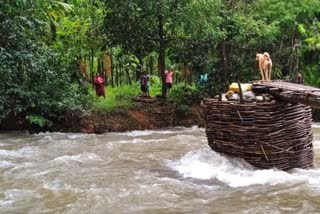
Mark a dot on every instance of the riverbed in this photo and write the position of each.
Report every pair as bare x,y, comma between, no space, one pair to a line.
164,171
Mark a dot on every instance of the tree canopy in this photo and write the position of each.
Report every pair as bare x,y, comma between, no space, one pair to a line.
50,50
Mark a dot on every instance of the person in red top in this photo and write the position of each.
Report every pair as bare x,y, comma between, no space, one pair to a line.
99,85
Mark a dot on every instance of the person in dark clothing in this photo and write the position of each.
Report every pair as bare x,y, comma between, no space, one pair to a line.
144,84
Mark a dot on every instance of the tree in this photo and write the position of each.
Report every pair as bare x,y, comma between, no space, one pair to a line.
140,27
285,17
55,11
220,38
311,52
36,84
79,34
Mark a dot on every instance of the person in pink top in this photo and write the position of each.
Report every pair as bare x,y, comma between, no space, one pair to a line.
169,74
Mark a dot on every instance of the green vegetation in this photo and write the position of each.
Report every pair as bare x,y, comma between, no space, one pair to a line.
123,96
184,95
50,50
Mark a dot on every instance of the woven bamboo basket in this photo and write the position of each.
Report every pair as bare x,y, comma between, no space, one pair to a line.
266,134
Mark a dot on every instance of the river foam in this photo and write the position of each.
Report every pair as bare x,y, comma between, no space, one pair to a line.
174,130
235,172
82,158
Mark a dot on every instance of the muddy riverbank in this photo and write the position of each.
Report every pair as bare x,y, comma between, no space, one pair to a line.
140,116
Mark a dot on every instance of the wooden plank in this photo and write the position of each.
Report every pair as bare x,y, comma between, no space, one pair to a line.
290,92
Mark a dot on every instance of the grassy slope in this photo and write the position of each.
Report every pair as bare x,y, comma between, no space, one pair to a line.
120,96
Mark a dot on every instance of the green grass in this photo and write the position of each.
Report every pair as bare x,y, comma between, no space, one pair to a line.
120,96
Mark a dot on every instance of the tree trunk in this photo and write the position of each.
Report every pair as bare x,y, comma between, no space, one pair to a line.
91,67
99,65
120,74
101,69
225,64
151,61
128,75
112,79
117,76
139,68
53,31
185,73
162,49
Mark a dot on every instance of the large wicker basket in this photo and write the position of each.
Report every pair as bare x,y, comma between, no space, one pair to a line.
266,134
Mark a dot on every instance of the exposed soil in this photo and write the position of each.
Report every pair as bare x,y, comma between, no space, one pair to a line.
140,116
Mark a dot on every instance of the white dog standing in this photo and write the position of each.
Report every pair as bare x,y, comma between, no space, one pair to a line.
265,65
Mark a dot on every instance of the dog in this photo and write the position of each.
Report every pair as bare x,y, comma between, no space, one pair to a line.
265,65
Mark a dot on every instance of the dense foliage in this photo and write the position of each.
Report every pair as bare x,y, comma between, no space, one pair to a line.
38,81
219,37
49,50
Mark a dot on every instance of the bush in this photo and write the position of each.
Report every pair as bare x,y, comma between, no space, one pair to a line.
36,80
182,95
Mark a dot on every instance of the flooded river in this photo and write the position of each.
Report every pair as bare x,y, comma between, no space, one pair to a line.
165,171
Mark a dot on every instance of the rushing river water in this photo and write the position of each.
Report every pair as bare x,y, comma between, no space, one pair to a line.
164,171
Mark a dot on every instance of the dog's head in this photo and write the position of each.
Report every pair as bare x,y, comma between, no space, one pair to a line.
259,56
266,55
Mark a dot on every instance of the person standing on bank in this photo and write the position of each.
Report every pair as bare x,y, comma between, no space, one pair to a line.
169,78
144,82
99,85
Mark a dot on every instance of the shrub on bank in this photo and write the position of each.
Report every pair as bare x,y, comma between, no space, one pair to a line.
184,95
